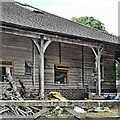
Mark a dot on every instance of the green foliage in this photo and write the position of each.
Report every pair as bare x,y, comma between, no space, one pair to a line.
90,21
119,37
117,70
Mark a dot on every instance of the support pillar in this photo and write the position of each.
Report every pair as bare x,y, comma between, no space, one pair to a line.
83,66
33,60
41,47
41,69
98,52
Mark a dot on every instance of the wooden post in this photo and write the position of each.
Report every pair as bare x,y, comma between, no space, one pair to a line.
41,47
98,53
99,75
41,90
83,66
33,59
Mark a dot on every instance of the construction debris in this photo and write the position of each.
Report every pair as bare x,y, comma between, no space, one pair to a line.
27,93
98,109
76,114
55,96
57,111
23,93
79,110
12,92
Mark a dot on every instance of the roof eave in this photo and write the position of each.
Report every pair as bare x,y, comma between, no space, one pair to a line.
55,33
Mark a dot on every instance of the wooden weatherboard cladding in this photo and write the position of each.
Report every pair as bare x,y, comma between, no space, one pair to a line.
61,74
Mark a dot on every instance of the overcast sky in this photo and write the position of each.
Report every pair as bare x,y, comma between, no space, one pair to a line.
104,10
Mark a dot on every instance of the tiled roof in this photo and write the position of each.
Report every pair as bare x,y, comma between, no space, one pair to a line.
19,14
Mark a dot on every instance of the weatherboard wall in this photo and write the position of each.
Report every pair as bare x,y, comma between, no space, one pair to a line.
81,62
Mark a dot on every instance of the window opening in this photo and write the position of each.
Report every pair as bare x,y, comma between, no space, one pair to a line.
28,67
61,74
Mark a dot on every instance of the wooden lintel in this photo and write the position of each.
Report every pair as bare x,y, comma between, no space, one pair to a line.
37,35
70,41
19,32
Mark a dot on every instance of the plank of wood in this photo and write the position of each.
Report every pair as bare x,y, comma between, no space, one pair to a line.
38,114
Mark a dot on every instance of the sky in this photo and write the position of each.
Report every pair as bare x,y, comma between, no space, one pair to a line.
104,10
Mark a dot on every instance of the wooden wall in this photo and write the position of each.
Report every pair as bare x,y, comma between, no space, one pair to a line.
70,55
20,49
109,68
89,64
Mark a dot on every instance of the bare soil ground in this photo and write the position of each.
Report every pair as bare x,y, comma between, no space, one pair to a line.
111,114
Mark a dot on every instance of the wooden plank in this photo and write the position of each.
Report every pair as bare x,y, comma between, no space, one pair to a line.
40,113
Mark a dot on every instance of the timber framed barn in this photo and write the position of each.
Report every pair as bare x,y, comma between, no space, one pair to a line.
51,53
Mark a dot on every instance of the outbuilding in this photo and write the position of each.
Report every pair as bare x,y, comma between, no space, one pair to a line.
51,53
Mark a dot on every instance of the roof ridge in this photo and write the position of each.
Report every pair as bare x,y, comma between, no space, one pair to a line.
29,6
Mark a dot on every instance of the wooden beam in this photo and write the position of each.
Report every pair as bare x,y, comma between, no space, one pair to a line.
40,113
94,51
59,38
46,45
70,41
36,35
19,32
35,41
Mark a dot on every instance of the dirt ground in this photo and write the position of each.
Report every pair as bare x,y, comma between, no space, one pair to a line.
111,114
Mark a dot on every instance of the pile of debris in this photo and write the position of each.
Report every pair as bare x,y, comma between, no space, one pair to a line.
11,92
48,112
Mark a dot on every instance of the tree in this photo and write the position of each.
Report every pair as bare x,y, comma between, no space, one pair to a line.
90,21
119,37
117,70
